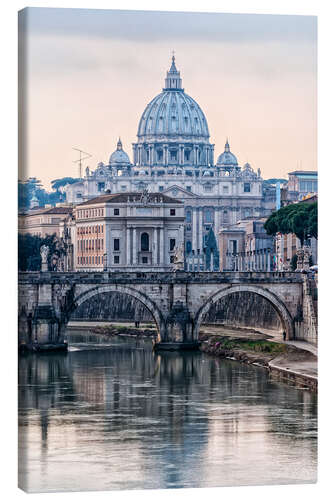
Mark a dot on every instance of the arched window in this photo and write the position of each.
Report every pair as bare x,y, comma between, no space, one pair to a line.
144,242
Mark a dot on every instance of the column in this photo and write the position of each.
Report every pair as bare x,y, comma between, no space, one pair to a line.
140,154
194,229
200,242
216,223
155,246
180,154
128,246
165,154
268,260
135,252
151,154
162,262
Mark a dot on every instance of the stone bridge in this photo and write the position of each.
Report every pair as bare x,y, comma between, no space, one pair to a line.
178,301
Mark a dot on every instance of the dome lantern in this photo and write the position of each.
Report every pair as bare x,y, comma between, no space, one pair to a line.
173,80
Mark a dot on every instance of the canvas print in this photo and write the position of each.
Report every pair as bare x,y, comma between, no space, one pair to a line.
167,230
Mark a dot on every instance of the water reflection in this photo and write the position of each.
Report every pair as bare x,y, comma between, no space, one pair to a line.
113,415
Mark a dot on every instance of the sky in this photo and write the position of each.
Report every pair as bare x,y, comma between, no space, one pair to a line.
86,76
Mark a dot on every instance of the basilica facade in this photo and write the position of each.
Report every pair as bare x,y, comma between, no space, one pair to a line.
173,155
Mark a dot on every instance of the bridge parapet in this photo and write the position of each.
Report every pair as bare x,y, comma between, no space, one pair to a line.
178,277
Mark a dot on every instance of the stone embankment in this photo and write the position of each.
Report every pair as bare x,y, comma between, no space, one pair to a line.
285,362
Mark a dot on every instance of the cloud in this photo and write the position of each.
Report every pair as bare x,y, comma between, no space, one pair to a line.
150,26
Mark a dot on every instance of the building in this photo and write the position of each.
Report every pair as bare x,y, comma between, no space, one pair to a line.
128,231
301,183
173,155
246,247
43,221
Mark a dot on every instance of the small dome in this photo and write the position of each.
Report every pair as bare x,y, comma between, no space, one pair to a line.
206,174
119,157
227,158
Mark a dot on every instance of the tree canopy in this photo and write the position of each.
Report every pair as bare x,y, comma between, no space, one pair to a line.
298,218
58,183
29,258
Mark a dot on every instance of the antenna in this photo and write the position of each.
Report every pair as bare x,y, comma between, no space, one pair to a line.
79,161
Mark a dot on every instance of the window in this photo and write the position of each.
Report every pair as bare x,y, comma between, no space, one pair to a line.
101,186
172,211
78,195
208,215
123,188
208,188
173,154
187,154
225,189
116,259
172,259
172,244
160,188
144,260
144,242
116,245
160,153
188,246
247,187
188,188
116,211
188,216
233,246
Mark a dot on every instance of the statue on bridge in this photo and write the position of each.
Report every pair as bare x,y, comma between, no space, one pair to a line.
44,252
178,263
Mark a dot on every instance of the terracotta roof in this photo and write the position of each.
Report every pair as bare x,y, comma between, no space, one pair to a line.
50,210
123,198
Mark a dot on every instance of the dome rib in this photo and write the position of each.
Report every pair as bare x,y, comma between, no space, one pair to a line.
149,123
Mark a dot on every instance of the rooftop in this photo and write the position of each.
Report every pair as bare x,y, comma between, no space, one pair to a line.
48,210
130,197
303,172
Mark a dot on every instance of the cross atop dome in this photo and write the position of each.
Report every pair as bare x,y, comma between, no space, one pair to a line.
173,80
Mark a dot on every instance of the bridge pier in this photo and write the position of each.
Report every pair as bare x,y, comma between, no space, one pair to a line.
44,327
178,330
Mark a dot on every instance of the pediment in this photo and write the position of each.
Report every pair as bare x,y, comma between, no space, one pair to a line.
178,192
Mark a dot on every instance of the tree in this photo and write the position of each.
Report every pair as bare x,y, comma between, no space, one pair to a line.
58,183
297,218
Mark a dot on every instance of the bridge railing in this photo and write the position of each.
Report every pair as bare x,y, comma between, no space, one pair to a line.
159,277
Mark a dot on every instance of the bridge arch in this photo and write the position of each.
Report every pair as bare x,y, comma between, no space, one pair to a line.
274,300
127,290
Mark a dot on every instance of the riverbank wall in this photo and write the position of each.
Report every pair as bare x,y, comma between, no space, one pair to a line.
273,359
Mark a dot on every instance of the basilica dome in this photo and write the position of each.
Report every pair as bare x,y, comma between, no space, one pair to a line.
227,158
119,157
173,113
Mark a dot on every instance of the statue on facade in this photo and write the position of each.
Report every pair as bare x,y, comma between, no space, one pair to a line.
144,199
44,252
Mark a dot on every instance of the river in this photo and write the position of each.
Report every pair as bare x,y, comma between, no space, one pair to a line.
111,415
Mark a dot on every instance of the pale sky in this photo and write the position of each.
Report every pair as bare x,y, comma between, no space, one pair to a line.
90,74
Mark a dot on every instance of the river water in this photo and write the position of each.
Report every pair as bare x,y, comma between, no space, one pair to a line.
112,415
